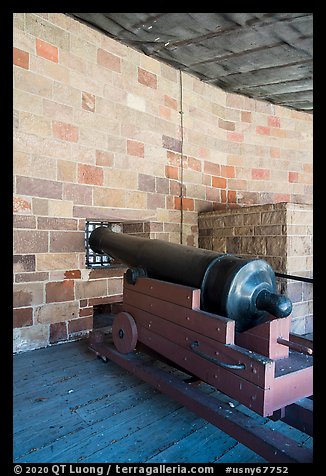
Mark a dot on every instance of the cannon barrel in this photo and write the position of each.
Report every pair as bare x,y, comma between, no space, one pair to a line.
233,287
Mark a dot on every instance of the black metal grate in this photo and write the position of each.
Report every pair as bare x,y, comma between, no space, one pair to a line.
95,260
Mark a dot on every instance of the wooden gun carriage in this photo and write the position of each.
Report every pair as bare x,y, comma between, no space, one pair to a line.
218,318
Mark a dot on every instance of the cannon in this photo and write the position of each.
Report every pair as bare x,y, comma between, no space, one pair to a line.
217,318
230,286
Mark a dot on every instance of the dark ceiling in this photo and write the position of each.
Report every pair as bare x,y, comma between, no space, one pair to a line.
261,55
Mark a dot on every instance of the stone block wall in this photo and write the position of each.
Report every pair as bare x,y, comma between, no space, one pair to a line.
97,135
62,309
281,234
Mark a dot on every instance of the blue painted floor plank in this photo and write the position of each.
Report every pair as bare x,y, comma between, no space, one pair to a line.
203,446
87,441
240,454
71,407
151,437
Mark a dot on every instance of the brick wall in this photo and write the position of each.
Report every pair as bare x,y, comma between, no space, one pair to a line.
97,135
281,234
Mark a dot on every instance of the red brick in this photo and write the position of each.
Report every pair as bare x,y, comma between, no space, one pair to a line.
56,312
173,158
165,112
90,174
115,286
171,227
187,203
153,226
207,180
171,143
227,171
249,198
78,325
21,58
81,225
190,240
274,121
22,317
88,101
163,236
28,294
275,152
155,200
73,274
38,187
104,159
232,196
31,277
213,194
262,130
60,291
21,205
281,197
293,177
24,221
30,241
246,116
83,302
227,125
235,136
45,223
223,196
58,332
98,212
260,174
90,289
46,50
147,78
277,132
135,148
237,184
23,263
211,168
133,228
104,300
169,203
106,273
146,183
175,189
194,164
108,60
218,182
162,185
66,241
79,194
64,131
170,102
171,172
86,311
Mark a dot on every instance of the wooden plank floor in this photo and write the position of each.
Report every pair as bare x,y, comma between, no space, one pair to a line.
69,406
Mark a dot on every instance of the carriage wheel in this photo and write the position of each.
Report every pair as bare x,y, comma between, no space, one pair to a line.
124,332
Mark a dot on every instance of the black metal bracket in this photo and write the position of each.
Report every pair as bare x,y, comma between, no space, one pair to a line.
132,274
194,346
295,278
